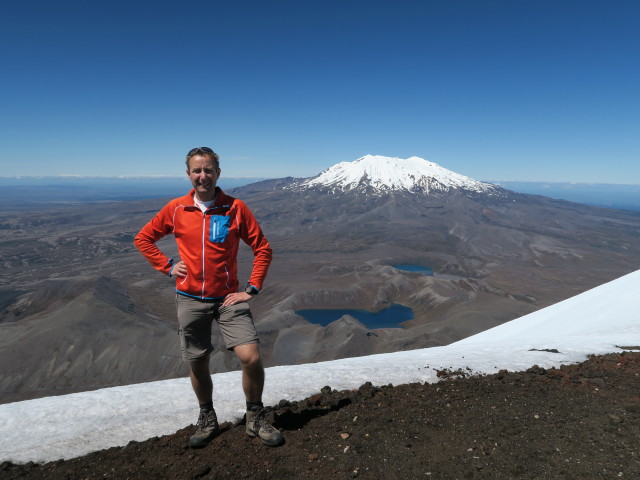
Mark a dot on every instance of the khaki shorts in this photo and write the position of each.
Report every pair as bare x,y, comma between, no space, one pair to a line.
196,316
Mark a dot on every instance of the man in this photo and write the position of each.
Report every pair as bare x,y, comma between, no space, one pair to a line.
208,225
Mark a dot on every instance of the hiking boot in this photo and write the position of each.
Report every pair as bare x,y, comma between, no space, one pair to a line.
257,425
207,428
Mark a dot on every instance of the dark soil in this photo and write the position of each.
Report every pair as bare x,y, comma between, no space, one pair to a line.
579,421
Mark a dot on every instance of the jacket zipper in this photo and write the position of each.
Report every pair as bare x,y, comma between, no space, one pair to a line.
204,232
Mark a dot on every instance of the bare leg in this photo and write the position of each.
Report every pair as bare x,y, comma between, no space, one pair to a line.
201,379
252,371
253,383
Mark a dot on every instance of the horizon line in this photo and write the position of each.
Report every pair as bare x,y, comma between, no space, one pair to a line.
113,176
67,176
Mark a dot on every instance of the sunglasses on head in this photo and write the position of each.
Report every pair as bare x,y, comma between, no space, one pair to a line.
197,150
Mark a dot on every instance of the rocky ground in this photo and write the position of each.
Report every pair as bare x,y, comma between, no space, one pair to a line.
574,422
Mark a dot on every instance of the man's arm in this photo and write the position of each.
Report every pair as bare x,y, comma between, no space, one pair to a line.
145,241
252,235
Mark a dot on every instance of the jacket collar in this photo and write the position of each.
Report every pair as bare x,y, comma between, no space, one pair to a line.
222,199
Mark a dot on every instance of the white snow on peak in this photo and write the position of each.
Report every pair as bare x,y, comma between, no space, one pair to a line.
386,174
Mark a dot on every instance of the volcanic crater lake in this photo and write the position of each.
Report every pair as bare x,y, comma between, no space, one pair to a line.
415,268
390,317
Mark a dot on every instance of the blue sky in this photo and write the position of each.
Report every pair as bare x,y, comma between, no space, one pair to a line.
496,90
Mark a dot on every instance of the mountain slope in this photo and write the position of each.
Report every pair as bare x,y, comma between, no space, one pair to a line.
535,249
97,338
497,256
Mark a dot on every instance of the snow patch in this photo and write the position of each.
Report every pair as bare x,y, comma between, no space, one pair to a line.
385,174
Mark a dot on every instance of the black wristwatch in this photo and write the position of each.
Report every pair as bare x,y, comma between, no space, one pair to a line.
251,290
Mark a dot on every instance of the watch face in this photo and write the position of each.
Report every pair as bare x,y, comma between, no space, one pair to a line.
251,290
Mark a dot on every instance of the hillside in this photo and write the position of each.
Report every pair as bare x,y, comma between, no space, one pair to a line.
83,293
580,422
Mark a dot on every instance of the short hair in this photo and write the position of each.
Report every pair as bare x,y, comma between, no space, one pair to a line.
205,151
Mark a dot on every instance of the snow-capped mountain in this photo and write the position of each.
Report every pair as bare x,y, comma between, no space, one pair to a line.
386,174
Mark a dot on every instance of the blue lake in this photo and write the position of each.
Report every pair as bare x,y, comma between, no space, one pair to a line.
390,317
415,268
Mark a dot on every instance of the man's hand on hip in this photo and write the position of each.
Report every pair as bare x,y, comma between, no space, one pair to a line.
179,270
234,298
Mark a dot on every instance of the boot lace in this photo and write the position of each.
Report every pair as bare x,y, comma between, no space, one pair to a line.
204,420
260,422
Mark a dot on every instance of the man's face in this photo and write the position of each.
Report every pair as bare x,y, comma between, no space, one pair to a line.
203,175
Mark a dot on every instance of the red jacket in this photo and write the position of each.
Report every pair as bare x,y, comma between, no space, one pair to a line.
207,243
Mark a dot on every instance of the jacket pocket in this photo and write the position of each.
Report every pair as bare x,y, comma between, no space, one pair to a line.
219,228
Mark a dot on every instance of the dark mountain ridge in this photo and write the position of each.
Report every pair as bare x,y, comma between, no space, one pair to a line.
470,227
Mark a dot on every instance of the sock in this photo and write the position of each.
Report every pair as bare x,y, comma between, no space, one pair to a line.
254,406
207,407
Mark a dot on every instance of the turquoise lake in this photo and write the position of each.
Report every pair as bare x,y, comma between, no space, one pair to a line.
415,268
390,317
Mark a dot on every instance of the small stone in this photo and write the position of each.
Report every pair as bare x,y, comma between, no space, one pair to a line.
202,472
615,418
344,436
313,456
346,449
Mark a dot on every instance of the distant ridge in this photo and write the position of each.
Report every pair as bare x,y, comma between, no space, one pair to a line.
376,173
